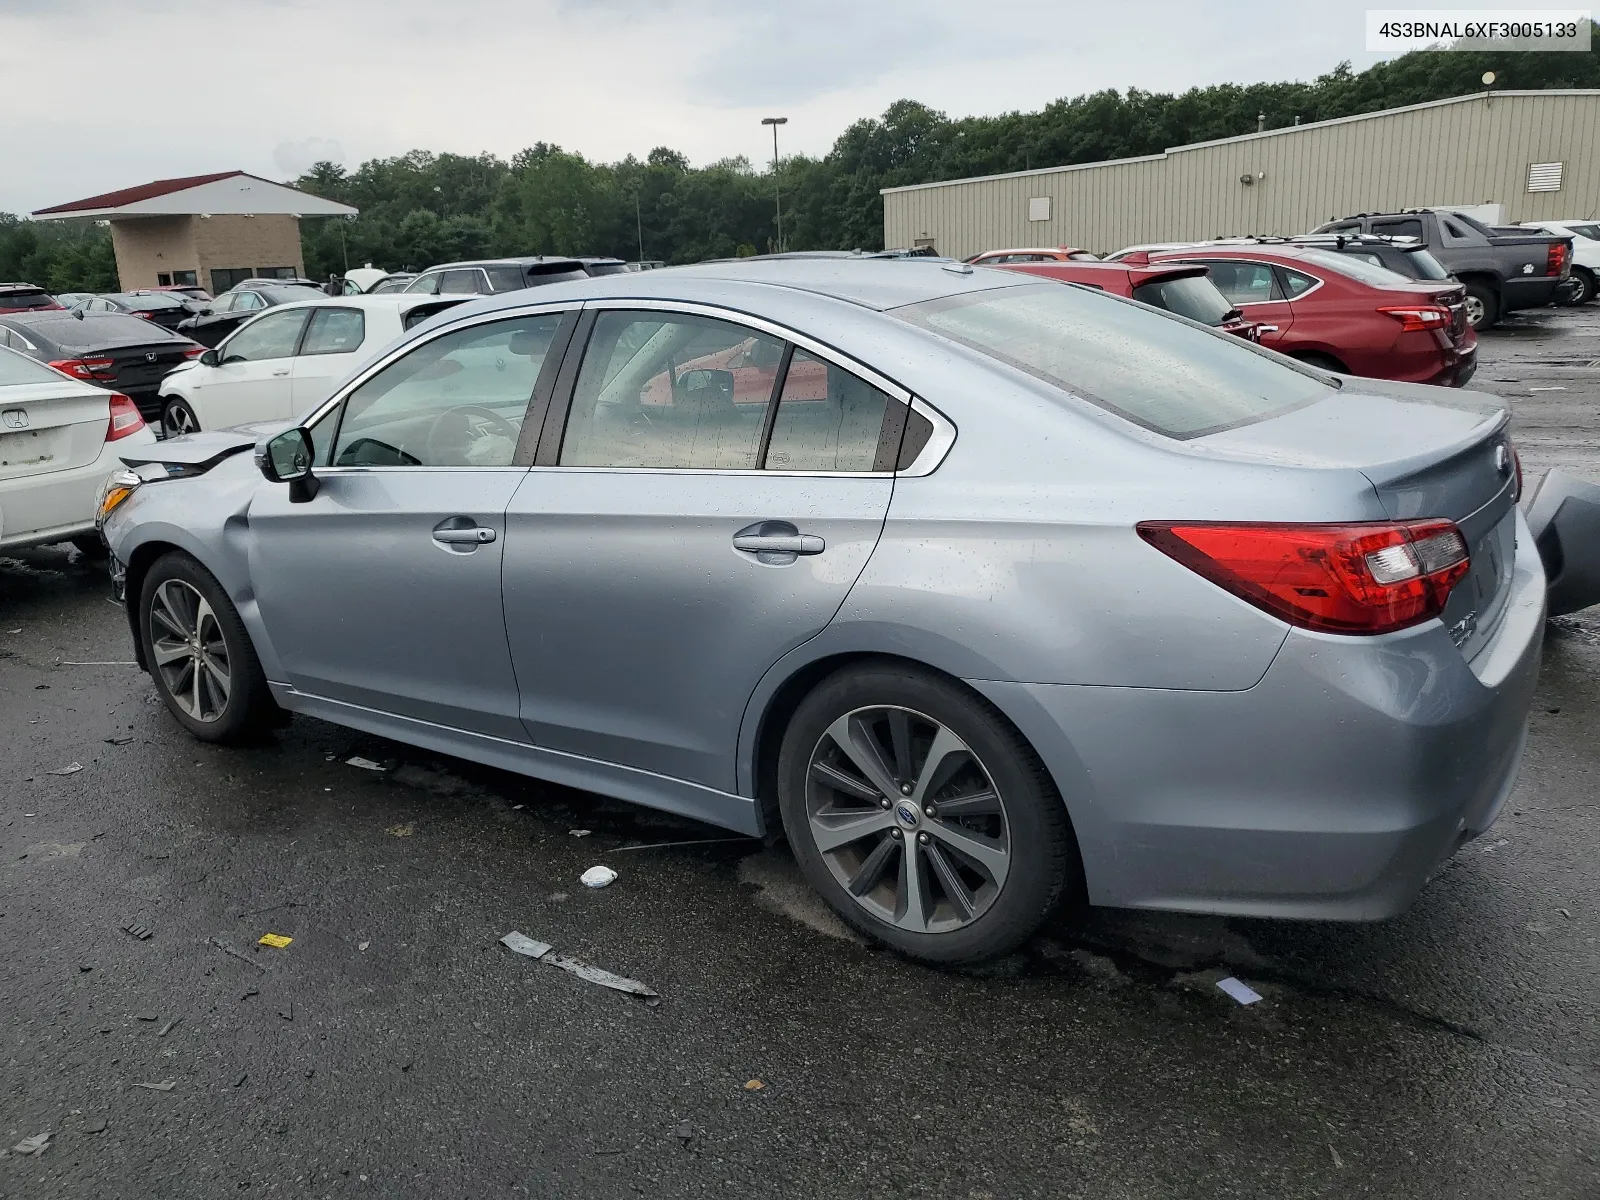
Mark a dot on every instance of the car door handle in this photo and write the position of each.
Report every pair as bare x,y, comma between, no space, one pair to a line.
279,374
477,535
1266,329
779,543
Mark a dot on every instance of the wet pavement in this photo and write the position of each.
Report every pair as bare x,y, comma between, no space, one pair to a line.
394,1049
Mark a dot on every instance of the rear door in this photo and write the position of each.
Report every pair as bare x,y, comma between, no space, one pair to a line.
332,343
673,539
252,381
1255,289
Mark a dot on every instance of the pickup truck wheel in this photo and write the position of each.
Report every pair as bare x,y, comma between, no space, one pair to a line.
1483,306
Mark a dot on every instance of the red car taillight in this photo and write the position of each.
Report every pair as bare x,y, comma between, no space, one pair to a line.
194,351
1415,320
1555,258
1363,578
86,368
125,418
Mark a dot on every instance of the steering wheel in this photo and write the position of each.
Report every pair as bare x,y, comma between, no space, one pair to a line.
448,447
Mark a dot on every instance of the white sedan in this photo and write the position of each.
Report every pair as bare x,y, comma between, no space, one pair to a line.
59,440
285,362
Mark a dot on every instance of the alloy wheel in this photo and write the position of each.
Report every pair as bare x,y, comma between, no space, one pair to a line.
189,650
179,420
907,819
1474,310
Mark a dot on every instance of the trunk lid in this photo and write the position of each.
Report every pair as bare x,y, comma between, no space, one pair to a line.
141,366
1427,454
51,427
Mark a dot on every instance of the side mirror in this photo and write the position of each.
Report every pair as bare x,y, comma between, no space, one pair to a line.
705,385
209,359
287,458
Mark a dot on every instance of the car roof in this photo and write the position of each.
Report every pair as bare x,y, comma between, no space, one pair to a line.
523,261
1036,250
875,283
20,287
400,301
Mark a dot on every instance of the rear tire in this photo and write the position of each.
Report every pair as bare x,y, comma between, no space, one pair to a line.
988,863
1483,306
1579,289
200,656
178,418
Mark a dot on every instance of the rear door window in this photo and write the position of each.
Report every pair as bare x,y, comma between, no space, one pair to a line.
335,331
1118,355
462,282
1244,282
505,279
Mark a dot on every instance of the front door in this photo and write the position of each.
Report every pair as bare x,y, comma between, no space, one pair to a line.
252,381
383,590
654,570
1257,291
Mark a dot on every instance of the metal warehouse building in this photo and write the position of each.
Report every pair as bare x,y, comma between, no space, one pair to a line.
1536,153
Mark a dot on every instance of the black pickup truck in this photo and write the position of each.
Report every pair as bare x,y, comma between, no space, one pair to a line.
1504,268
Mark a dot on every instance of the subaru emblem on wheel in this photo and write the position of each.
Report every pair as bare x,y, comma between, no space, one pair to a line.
907,812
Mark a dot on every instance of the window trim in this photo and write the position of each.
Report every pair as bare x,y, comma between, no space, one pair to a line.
560,408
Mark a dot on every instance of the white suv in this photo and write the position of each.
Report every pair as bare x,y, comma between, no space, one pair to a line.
1585,237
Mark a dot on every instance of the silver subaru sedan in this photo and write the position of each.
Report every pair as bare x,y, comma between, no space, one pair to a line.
991,593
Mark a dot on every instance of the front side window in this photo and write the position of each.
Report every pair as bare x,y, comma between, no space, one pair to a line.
247,302
465,282
671,390
335,331
273,336
457,400
827,420
1244,282
1162,374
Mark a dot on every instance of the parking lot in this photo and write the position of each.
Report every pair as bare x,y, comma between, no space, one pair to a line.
394,1048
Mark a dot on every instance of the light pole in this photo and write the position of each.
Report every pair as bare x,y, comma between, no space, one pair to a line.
777,191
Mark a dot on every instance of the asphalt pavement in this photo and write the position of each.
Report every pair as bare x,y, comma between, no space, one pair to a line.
393,1048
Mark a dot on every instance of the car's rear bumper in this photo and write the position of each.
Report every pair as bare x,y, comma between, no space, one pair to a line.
1331,789
38,509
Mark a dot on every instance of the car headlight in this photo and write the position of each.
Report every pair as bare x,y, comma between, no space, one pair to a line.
119,485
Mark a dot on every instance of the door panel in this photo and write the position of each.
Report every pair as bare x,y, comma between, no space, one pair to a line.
314,377
377,592
237,392
637,629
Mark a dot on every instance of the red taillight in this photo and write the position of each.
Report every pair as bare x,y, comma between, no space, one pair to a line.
1415,320
1555,258
1360,578
125,418
73,367
194,351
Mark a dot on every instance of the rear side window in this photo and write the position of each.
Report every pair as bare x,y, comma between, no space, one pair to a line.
17,369
1409,227
1162,374
505,279
828,419
335,331
467,282
1589,231
1298,283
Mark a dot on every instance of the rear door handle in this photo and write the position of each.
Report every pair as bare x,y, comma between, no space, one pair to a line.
280,374
476,536
780,543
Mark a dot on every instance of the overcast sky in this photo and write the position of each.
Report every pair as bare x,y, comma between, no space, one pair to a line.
104,94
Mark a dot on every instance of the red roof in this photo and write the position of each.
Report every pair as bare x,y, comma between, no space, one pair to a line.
133,195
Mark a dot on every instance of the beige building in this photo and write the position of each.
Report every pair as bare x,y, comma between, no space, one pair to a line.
1535,153
209,231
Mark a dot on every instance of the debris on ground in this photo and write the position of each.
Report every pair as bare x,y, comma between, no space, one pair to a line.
276,940
142,932
520,944
32,1146
684,1133
362,945
1239,991
152,1017
405,830
1337,1161
579,832
598,877
517,807
231,952
166,1085
248,992
118,662
167,1028
240,1081
119,741
69,769
366,764
287,1011
754,1085
1567,913
97,1125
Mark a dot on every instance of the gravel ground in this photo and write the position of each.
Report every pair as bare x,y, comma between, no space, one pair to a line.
394,1049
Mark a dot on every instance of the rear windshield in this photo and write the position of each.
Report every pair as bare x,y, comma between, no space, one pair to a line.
1163,374
18,369
103,331
149,303
1193,296
1354,268
288,295
616,268
1426,265
26,300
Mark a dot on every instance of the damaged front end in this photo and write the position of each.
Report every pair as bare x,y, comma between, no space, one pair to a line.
1564,517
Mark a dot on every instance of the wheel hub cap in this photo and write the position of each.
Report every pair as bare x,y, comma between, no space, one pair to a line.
907,819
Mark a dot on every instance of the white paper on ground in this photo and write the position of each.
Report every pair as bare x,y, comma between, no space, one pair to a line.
597,877
523,944
1240,992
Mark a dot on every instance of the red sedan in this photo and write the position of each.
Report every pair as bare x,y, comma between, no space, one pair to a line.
1180,288
1340,313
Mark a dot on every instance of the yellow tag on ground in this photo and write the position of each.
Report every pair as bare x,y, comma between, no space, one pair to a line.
276,940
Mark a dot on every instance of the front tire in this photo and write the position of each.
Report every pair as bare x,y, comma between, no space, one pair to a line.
1579,288
1483,306
200,656
921,816
177,417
